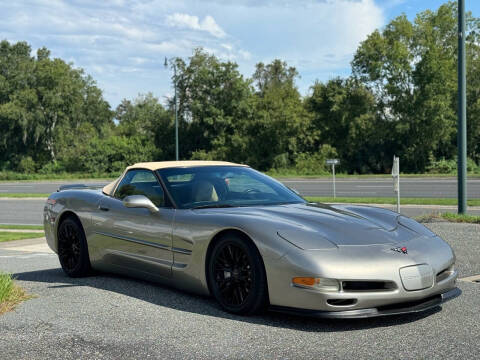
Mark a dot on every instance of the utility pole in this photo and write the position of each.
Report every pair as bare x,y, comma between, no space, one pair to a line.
462,112
175,103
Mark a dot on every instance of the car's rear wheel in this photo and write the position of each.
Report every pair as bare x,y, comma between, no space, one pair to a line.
72,248
236,275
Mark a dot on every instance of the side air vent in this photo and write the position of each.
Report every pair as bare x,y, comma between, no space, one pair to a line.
368,285
341,302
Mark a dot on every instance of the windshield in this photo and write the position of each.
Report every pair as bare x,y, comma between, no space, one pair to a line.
224,186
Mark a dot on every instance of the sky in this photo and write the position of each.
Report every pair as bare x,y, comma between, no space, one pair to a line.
122,44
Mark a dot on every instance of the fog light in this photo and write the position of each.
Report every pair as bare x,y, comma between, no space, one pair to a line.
317,283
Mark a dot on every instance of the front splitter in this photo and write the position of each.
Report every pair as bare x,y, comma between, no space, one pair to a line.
395,309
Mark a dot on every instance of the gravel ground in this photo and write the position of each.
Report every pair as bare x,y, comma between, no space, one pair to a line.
109,317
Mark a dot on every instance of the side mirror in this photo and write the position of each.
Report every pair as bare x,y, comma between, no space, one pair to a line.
139,201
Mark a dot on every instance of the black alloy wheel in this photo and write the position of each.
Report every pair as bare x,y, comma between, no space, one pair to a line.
236,275
72,248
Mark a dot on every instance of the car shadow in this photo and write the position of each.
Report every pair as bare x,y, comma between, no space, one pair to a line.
182,301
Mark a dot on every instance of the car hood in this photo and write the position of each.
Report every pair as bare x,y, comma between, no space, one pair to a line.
321,226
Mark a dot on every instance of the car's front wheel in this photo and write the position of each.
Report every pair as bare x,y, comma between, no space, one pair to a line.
72,248
236,275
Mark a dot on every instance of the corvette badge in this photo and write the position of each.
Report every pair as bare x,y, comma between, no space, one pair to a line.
402,250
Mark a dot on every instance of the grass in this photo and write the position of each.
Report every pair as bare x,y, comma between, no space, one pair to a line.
21,227
451,217
392,201
11,236
352,200
280,175
24,195
10,294
16,176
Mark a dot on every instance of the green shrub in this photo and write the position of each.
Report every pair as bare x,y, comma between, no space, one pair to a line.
281,161
304,163
450,166
56,167
204,155
26,165
113,154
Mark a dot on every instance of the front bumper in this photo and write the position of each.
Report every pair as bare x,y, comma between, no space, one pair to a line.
394,309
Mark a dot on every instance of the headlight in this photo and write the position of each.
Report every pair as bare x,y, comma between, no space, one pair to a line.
415,226
321,284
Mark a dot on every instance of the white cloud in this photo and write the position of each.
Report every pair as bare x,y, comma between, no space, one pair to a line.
123,43
208,24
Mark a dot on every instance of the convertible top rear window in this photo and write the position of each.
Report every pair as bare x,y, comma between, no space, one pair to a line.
224,186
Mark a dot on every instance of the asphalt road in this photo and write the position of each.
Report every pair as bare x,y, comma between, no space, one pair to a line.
409,187
30,211
371,187
109,317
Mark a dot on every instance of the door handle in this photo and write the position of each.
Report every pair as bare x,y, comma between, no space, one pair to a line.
103,208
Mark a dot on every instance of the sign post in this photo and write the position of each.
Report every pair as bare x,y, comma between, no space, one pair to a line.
333,162
396,179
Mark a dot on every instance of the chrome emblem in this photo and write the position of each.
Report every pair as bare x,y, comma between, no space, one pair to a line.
402,250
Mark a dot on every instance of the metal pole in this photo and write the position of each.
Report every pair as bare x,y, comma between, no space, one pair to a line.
398,194
462,112
176,110
334,190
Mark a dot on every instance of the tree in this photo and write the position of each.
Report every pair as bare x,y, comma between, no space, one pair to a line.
148,120
214,102
40,99
280,127
411,69
344,114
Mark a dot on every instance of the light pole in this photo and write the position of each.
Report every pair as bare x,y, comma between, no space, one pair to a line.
175,103
462,112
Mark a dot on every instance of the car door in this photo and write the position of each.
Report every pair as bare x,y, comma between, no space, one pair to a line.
134,239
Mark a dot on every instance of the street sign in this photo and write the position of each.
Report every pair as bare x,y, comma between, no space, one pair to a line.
333,162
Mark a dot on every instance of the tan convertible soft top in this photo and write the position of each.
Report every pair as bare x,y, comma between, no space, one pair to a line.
110,188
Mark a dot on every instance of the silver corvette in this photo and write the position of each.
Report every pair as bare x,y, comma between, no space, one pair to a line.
229,231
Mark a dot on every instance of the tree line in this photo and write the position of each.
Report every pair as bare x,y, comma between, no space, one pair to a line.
400,99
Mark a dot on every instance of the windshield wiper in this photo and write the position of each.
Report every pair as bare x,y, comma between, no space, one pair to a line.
213,206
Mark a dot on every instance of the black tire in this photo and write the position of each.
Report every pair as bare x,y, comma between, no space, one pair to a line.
236,275
72,248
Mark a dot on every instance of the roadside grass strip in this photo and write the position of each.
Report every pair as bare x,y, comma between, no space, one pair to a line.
11,236
451,217
21,227
10,293
24,195
16,176
391,201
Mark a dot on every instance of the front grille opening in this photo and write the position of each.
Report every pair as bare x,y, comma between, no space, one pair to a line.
368,285
341,302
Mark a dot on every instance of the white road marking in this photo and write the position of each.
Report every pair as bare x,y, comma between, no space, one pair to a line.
25,256
474,278
40,248
373,186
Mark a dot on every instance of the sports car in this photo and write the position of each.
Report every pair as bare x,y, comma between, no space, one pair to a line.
227,230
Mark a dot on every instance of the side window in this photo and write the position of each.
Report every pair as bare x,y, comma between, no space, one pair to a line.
141,182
